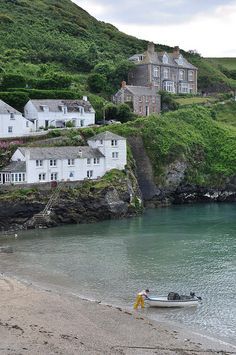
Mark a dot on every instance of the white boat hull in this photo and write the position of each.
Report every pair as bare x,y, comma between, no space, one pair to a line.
164,302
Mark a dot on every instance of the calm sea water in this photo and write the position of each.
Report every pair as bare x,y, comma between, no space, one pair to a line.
182,249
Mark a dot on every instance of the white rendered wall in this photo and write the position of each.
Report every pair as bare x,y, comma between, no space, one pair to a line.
106,148
18,124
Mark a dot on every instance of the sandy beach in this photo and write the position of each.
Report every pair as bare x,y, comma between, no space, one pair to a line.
35,321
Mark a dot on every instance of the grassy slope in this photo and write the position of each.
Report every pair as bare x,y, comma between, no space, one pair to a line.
228,63
192,135
49,35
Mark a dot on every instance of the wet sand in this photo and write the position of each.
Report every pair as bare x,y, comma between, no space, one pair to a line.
35,321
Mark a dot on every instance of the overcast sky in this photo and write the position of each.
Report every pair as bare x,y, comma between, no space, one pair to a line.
209,26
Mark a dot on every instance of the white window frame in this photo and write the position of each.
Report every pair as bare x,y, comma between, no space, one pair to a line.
166,73
10,129
114,142
181,74
53,176
53,162
88,161
190,75
169,86
38,162
155,71
12,116
115,155
165,59
96,161
71,162
42,177
89,174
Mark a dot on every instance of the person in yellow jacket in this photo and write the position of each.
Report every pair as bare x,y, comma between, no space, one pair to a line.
141,296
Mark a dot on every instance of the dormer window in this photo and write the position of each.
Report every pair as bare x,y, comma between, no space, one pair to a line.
140,58
165,59
180,60
44,108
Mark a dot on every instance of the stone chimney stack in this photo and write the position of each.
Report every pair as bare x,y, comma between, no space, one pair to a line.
176,51
151,48
123,84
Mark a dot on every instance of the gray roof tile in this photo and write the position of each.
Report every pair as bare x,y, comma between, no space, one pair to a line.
7,109
106,136
54,105
61,153
15,166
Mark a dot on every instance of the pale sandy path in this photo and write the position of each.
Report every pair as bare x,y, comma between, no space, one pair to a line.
34,321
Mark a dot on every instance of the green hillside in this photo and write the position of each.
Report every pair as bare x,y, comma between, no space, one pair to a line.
56,44
228,63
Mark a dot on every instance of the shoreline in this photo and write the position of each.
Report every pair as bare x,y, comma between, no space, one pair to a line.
37,320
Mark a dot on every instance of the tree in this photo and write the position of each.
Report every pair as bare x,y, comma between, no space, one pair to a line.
167,102
96,82
13,81
111,112
124,113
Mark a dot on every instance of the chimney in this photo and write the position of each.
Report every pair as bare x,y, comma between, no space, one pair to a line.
85,98
151,48
123,84
80,153
176,51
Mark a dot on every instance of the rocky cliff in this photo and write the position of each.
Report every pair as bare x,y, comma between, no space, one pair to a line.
117,195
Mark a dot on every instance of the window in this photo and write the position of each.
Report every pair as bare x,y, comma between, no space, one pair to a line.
71,162
155,72
101,142
96,160
12,177
71,174
65,110
88,161
190,75
169,86
183,88
81,123
140,57
140,99
166,73
53,162
153,100
140,109
114,142
53,176
89,174
39,163
42,177
10,129
115,155
128,98
27,123
147,99
12,116
181,75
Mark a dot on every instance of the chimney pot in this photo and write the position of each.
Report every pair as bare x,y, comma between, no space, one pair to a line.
123,84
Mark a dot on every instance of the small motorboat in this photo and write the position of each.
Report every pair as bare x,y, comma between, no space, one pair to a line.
174,300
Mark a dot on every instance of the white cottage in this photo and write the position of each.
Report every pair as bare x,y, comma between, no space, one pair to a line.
105,151
57,113
12,123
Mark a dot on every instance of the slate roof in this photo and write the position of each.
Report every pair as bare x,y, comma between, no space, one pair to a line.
141,90
15,166
7,109
156,58
61,153
106,136
54,105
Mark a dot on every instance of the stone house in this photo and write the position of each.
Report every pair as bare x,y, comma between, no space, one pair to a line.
12,123
164,71
143,100
30,165
57,113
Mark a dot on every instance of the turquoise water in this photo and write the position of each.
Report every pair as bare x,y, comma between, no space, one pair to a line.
182,248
